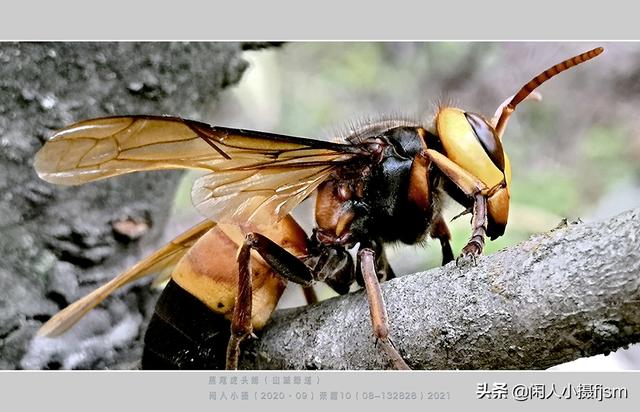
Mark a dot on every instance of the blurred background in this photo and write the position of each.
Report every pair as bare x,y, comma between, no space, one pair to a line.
574,155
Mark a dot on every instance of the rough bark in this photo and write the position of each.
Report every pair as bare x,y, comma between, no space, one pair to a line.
59,243
569,293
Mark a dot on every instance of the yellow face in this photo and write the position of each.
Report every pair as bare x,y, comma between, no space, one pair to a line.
464,146
471,142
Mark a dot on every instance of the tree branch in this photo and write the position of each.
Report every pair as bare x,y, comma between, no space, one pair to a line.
569,293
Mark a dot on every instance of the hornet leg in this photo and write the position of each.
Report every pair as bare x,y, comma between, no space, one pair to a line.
309,294
473,188
284,263
479,228
440,231
419,196
381,265
377,309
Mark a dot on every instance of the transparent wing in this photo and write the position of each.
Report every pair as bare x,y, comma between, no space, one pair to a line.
160,262
239,196
249,169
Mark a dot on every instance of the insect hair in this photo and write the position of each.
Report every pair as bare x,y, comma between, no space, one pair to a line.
355,131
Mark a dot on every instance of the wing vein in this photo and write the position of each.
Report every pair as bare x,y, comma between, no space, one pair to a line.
250,172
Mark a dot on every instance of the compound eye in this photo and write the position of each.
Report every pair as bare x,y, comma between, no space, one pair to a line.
487,138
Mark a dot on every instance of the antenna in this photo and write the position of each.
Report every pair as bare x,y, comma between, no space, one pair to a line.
537,81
